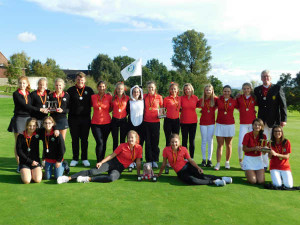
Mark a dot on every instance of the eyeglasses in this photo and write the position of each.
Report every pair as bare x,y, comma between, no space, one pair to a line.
47,123
277,131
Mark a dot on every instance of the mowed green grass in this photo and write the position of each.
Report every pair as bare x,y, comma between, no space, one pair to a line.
126,201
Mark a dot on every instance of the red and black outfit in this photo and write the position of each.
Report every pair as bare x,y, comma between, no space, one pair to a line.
62,102
39,100
124,157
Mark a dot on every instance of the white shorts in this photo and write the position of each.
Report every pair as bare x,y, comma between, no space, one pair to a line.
224,130
253,163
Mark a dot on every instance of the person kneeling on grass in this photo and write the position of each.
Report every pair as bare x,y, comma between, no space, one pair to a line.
188,171
114,164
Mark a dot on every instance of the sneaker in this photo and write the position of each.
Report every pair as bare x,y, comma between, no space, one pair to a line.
168,165
209,164
18,169
217,167
62,179
67,168
220,182
228,180
83,179
86,163
154,165
73,163
131,165
227,166
203,164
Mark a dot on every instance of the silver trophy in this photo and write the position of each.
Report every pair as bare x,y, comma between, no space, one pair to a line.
162,113
265,145
52,106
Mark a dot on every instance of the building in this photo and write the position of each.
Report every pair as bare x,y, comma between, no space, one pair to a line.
71,74
3,65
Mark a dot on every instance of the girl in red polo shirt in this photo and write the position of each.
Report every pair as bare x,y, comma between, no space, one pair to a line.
153,102
186,168
172,103
280,169
225,129
252,144
119,115
101,119
246,106
114,164
207,123
188,117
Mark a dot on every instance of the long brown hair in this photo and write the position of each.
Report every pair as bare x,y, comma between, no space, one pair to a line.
261,123
273,139
136,135
25,78
29,120
115,92
174,136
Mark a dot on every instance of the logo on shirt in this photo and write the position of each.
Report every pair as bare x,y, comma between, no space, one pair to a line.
86,92
37,136
52,139
274,97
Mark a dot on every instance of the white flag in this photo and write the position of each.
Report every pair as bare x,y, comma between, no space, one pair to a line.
133,69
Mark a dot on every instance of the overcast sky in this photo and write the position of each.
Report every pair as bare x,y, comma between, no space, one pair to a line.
246,37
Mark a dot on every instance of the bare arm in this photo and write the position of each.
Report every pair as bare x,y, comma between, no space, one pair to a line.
138,166
162,166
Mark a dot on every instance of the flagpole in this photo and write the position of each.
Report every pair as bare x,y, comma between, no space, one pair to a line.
141,82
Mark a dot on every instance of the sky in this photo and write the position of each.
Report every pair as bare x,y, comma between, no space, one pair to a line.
246,37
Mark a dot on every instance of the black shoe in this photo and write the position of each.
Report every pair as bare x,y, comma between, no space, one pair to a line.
265,168
209,164
18,169
67,168
203,164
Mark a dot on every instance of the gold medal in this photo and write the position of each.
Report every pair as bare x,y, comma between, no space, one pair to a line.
99,108
119,110
247,109
225,113
150,108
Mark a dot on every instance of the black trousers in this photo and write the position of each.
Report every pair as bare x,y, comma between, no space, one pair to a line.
100,133
152,140
188,131
79,129
171,126
190,175
116,125
139,129
113,167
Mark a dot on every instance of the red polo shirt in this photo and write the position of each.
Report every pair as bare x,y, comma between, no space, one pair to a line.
226,106
101,109
207,112
152,104
176,161
281,164
172,106
126,156
188,109
246,116
249,141
119,107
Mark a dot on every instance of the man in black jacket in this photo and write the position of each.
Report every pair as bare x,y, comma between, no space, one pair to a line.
272,107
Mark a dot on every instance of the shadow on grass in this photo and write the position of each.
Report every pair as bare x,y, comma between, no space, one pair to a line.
8,164
11,179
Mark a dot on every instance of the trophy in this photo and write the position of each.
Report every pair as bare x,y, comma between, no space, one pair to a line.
265,144
52,106
162,113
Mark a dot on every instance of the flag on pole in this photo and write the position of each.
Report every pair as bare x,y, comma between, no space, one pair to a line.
133,69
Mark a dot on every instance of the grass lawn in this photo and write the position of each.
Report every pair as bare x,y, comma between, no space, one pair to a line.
126,201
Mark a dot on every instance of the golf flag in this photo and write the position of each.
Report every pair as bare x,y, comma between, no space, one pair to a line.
133,69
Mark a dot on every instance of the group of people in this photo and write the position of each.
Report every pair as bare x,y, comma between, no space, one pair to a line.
137,116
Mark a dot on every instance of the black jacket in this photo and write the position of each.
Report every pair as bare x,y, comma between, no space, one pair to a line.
27,157
273,110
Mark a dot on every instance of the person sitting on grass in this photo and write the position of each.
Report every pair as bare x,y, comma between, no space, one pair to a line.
188,171
280,169
27,147
114,164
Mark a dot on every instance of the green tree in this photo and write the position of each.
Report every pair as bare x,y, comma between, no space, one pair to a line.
191,53
104,68
36,68
217,84
52,70
17,64
123,61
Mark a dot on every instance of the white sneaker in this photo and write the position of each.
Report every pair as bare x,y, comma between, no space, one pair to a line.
217,166
83,179
154,165
62,179
86,163
228,180
73,163
227,165
220,182
168,165
131,165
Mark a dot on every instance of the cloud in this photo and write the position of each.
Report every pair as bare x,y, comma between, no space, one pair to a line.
254,20
26,37
124,49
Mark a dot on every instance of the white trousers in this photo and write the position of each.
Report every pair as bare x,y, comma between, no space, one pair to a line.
207,134
267,132
282,176
244,129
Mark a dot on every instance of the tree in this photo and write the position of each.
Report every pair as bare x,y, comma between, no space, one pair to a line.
123,61
217,84
17,65
53,70
103,68
191,53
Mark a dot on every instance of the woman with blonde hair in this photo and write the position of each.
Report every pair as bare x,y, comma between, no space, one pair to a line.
188,117
207,123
